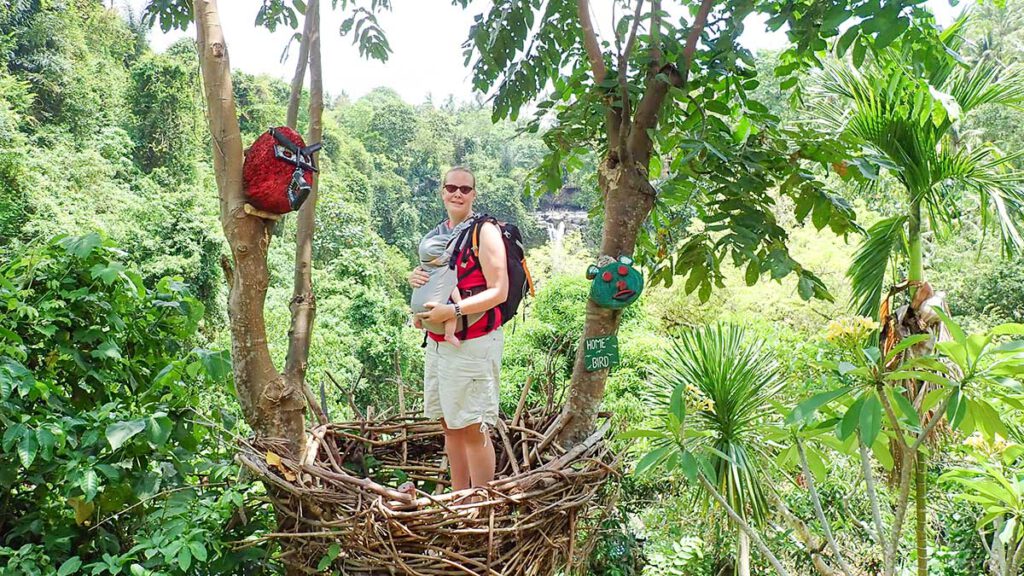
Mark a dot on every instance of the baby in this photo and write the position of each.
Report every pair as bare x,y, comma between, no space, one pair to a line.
435,253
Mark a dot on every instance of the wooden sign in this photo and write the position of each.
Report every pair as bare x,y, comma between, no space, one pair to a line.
600,353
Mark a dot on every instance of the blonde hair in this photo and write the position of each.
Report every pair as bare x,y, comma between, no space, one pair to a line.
459,169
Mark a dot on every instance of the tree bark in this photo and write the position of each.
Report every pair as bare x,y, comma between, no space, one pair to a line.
303,303
742,553
271,406
628,200
300,72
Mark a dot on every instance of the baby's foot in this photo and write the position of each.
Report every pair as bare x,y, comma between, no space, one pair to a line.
453,341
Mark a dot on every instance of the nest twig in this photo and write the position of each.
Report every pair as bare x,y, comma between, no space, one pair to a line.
523,523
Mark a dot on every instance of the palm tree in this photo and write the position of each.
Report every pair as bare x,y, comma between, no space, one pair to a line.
729,380
902,112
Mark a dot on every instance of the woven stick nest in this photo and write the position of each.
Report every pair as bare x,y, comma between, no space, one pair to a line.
345,492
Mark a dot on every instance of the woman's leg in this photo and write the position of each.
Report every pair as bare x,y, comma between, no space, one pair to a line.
458,457
479,451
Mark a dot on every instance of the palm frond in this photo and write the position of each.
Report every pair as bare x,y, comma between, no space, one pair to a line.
1000,189
870,262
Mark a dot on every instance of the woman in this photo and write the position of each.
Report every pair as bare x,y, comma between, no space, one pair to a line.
460,383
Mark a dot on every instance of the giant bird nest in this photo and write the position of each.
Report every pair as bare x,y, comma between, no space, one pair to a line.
343,499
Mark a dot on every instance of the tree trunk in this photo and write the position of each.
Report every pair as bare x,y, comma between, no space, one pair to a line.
742,553
629,198
271,406
920,490
623,180
921,511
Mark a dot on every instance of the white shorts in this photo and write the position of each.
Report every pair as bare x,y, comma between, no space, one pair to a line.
461,384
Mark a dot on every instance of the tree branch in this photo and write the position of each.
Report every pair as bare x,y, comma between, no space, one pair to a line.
591,43
300,74
802,533
647,110
303,304
869,481
816,501
626,115
742,524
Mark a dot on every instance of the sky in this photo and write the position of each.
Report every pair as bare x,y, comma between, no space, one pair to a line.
426,39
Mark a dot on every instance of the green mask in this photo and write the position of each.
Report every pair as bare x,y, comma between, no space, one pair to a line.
616,284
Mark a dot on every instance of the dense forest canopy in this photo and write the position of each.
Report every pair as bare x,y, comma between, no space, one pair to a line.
118,417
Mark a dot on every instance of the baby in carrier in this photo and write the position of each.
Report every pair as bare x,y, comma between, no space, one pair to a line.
435,254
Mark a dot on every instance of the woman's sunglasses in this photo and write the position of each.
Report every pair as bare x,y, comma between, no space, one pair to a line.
451,188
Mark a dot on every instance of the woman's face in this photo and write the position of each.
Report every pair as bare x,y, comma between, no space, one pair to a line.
458,193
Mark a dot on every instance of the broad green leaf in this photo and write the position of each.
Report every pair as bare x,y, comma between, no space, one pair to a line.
199,551
184,558
816,463
677,405
216,364
90,484
120,432
805,410
158,429
652,458
906,343
907,409
689,466
953,327
81,246
957,408
870,419
640,433
850,420
70,566
332,553
1008,329
27,448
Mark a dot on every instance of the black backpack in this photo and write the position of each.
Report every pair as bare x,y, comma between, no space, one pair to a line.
519,280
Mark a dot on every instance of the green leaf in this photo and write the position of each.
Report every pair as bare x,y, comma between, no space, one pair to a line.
27,448
216,364
956,409
107,272
805,410
1008,329
677,406
848,424
689,466
906,343
753,272
846,39
70,566
158,429
107,349
859,51
184,558
891,32
90,484
199,551
870,419
652,458
82,246
120,432
907,409
640,433
953,327
332,553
